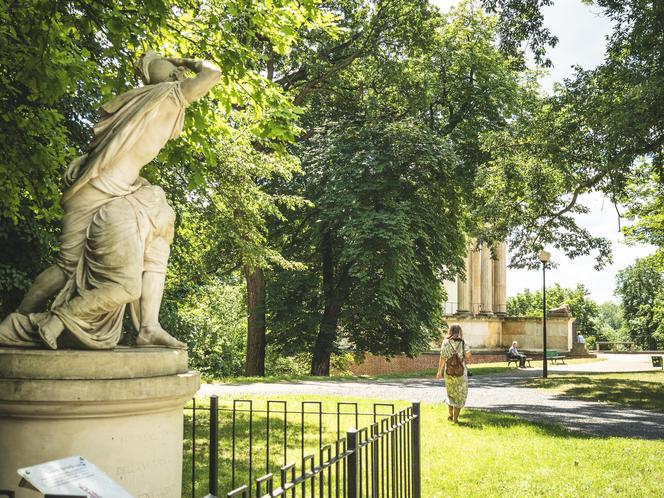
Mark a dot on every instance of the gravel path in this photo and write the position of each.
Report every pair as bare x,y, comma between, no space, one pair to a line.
502,392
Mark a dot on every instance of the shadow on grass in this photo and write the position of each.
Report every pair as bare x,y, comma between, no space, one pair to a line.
595,419
246,451
623,390
480,420
242,460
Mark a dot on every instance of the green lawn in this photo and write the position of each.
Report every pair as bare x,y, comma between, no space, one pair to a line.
479,369
476,368
638,390
488,454
493,454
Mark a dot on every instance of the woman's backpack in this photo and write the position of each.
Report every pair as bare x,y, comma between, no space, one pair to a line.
454,364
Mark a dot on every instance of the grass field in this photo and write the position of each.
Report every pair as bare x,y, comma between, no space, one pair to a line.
637,390
476,368
488,454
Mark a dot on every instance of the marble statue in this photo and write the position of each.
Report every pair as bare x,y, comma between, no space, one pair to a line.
562,310
117,228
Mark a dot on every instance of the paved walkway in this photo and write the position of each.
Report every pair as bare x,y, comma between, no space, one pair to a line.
501,392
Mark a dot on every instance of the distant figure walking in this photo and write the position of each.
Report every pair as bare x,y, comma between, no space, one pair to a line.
514,354
454,353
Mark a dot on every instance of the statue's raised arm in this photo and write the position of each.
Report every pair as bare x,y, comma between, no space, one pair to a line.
207,76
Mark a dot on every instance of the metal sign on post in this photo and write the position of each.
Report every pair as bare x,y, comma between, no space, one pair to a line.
72,477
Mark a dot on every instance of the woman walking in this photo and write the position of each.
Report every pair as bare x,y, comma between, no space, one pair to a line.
454,354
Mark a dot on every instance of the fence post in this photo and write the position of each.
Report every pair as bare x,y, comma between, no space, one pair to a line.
374,459
353,460
214,445
415,435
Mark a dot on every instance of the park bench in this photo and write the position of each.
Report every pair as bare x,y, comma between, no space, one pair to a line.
553,356
515,360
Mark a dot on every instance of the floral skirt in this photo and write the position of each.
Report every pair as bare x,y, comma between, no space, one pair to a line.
457,390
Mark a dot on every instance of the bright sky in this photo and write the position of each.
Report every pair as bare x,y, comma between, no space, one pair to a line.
581,31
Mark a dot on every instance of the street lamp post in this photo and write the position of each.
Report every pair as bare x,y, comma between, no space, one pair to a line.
544,257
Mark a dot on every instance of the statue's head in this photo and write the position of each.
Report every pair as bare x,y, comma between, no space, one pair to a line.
153,68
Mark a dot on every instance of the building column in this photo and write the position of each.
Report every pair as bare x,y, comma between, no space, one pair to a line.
500,279
475,279
463,287
487,281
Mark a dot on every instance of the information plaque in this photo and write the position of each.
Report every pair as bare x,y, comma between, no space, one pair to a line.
71,476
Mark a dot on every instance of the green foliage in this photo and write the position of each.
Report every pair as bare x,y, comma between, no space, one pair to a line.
390,159
641,289
378,215
644,198
211,320
522,25
527,191
26,249
594,134
611,324
60,60
278,364
611,315
585,310
415,129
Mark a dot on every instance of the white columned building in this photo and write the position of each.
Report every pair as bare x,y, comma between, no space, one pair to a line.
483,291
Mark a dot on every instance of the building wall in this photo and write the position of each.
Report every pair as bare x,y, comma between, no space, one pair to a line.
492,332
377,365
488,336
528,333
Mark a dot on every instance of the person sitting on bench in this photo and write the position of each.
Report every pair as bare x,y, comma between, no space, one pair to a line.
514,353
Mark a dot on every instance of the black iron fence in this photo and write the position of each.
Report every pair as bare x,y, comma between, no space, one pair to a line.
268,449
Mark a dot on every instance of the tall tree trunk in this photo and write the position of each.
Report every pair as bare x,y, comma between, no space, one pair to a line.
255,360
327,333
335,291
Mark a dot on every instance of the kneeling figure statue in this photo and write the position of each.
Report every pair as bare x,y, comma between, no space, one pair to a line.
117,228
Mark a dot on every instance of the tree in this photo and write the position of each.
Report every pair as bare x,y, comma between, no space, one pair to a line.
389,159
595,133
641,288
319,57
644,198
585,310
527,190
215,175
611,323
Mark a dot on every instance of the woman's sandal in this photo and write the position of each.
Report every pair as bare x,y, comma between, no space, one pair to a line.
450,418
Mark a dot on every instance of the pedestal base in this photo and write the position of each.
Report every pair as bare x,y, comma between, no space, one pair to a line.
579,350
121,409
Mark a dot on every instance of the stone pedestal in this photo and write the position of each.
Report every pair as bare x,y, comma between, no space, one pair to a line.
579,350
121,409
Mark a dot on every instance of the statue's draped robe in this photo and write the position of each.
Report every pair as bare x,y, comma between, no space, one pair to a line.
127,236
123,121
104,268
